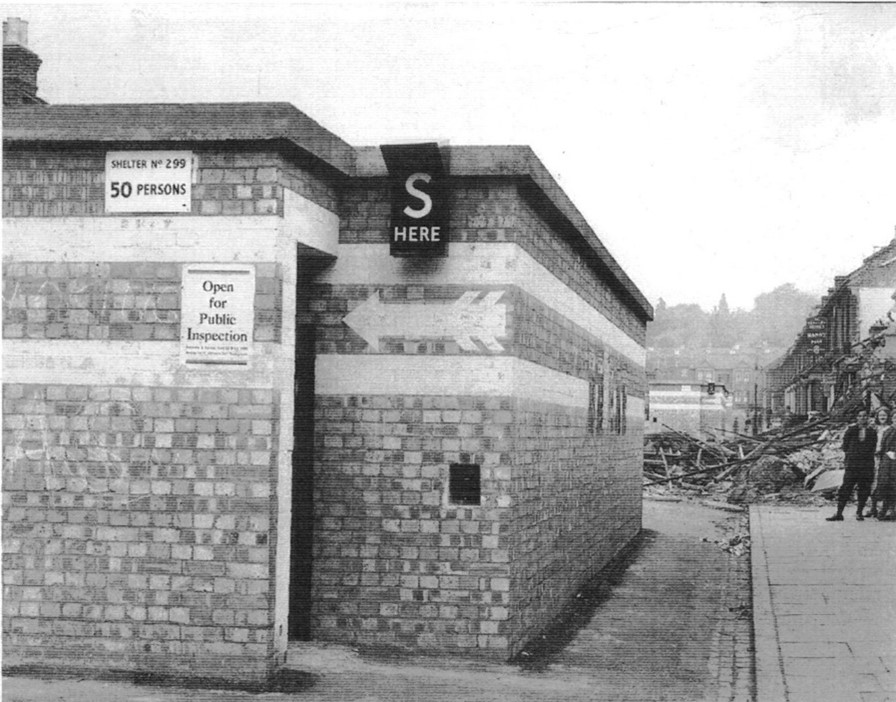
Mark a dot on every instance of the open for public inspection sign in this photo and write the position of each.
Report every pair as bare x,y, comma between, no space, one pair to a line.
148,181
218,314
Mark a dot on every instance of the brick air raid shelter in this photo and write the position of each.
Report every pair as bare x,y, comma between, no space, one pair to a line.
240,409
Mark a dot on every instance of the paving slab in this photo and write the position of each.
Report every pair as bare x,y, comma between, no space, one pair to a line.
816,649
824,612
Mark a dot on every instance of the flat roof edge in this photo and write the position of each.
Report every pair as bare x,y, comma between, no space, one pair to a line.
519,162
197,122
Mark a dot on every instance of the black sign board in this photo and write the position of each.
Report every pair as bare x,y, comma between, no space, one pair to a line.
419,225
817,334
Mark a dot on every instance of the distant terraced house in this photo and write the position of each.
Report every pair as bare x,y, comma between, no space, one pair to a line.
847,349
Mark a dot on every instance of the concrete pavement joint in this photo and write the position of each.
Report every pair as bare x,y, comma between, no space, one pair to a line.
770,682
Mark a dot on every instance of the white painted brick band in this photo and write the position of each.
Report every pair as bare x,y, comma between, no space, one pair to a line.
237,239
154,363
503,376
157,363
480,264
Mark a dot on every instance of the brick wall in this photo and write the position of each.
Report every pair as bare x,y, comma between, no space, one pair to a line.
137,526
146,504
576,479
576,505
395,563
567,263
127,300
70,183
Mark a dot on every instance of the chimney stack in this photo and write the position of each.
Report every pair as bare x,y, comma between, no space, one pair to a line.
20,65
15,31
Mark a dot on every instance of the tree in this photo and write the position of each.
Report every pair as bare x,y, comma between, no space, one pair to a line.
721,331
678,326
722,307
775,320
780,314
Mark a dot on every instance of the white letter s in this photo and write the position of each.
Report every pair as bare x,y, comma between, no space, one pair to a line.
424,197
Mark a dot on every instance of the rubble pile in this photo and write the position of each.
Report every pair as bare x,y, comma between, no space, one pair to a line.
800,463
768,475
784,464
826,456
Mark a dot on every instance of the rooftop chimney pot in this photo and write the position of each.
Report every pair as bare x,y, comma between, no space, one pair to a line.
20,65
15,32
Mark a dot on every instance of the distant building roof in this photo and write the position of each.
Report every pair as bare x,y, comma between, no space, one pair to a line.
877,270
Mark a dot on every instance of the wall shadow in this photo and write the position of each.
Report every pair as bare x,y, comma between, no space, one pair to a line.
538,653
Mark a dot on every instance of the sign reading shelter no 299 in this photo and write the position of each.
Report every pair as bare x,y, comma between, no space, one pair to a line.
148,181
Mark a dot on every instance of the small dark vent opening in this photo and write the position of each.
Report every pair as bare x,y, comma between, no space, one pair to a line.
464,484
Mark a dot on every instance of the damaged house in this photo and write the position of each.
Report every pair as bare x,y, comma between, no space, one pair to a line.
846,350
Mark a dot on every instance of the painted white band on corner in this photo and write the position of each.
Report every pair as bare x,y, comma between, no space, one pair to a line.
140,363
219,239
480,264
157,363
503,376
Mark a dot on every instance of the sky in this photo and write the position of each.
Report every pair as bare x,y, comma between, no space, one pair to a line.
715,148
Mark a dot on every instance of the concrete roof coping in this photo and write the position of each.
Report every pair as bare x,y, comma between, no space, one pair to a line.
264,121
179,122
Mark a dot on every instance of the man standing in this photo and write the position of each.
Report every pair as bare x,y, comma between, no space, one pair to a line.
859,445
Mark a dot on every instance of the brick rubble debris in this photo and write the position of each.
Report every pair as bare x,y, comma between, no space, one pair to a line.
779,465
797,464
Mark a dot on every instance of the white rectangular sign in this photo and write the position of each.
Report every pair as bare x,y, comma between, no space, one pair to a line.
148,181
217,314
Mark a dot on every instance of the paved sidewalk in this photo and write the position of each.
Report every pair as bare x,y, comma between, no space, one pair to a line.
824,606
675,625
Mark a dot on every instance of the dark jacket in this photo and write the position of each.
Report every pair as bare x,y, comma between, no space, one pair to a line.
859,454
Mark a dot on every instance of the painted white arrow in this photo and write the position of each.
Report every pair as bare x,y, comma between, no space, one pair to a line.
462,320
